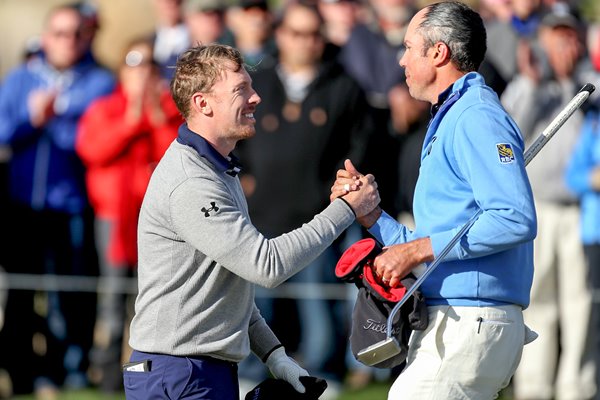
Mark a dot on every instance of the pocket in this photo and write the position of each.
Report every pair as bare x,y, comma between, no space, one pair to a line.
492,323
499,342
135,384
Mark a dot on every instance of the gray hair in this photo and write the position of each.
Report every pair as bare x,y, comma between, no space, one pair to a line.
458,27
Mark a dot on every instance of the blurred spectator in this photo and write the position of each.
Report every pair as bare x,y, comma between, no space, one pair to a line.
371,57
496,9
557,364
373,49
204,20
594,45
251,24
171,36
120,138
312,117
340,17
4,233
409,121
50,219
506,35
33,48
4,198
583,177
90,24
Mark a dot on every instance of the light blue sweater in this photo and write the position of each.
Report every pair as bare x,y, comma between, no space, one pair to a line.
472,158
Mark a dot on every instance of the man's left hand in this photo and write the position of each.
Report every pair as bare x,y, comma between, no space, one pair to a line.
284,367
397,261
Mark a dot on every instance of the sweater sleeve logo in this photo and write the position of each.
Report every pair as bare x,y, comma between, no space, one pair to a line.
506,153
213,207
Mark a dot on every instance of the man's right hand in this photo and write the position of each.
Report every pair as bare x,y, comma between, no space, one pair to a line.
360,191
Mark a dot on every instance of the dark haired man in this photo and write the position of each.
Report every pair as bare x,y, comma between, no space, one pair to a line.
472,159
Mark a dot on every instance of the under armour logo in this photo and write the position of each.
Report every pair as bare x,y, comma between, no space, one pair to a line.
213,207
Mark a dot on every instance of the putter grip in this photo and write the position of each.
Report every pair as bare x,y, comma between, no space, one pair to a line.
588,87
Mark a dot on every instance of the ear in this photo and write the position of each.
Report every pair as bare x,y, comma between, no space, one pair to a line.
200,104
441,54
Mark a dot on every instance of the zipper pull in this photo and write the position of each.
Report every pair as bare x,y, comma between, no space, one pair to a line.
480,320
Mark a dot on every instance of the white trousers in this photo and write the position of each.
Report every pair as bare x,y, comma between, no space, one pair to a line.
465,353
559,312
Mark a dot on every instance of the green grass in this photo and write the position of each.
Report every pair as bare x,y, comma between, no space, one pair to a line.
374,391
78,395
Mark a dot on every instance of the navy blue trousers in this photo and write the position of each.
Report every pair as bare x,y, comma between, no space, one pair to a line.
172,377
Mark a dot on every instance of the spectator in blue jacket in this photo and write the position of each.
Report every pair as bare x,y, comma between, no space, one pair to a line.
50,222
583,178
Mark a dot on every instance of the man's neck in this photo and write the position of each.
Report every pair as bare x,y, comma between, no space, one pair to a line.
223,146
444,81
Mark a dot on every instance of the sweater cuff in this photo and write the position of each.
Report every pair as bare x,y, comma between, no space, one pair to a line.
262,339
266,356
348,204
441,239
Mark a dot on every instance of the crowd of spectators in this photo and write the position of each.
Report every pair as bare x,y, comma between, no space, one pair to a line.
78,143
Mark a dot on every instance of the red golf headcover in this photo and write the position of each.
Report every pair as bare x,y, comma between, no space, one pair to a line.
349,268
388,293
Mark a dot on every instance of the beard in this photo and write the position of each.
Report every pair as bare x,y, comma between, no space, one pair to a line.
242,132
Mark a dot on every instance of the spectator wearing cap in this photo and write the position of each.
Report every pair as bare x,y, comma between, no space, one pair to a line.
205,21
120,139
251,23
557,365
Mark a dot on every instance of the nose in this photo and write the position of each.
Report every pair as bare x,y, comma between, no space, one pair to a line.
402,62
255,98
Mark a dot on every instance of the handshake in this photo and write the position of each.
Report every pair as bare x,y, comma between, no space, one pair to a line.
359,191
395,261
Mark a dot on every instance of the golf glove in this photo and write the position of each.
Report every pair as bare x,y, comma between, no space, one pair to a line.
284,367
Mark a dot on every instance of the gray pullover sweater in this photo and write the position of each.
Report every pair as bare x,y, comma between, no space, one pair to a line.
200,257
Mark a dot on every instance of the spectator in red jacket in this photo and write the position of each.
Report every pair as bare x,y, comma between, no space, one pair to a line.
120,139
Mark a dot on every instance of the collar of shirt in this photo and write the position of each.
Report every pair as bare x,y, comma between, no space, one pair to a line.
230,165
441,99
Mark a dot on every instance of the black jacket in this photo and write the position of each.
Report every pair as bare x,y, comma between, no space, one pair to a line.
299,147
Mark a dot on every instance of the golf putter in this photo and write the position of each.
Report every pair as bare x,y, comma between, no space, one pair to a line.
390,347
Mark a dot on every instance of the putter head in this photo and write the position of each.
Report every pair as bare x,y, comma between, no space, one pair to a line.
379,352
